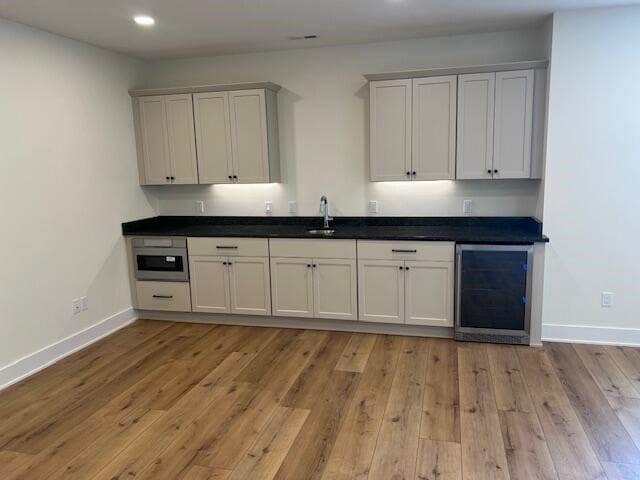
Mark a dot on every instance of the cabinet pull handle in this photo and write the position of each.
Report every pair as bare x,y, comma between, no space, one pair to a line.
227,247
403,251
163,296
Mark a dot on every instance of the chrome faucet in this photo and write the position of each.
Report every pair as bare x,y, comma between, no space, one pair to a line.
324,208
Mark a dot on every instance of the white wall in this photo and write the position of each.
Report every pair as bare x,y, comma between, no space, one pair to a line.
69,179
324,128
592,200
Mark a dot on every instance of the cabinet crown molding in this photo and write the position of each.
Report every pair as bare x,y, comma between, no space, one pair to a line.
434,72
227,87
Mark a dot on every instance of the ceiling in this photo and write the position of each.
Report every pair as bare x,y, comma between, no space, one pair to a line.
186,28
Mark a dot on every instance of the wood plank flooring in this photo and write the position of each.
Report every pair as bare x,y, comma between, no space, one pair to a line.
162,400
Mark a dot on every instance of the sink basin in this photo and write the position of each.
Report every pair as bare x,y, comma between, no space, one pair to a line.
321,231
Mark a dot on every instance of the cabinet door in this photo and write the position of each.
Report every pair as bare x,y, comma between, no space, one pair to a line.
381,291
513,120
335,289
209,284
182,140
249,136
476,94
434,128
249,285
292,287
429,293
213,137
155,146
390,130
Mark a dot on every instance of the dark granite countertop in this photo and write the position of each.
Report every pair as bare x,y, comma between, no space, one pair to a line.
492,230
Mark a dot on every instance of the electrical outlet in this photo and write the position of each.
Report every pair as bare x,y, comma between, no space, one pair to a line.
607,299
84,303
372,206
268,207
293,206
199,206
76,306
467,206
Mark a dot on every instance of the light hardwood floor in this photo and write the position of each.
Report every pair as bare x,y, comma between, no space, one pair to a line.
162,400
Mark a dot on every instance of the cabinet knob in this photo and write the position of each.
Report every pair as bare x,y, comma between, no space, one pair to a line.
400,268
406,268
408,174
489,171
413,173
235,177
224,263
308,265
495,171
168,178
230,177
314,265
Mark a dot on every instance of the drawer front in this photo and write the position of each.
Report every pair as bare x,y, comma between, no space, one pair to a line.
389,250
229,246
167,296
302,248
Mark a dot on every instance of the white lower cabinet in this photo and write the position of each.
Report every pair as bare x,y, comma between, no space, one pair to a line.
249,285
429,293
318,288
221,284
335,289
292,287
209,284
381,291
410,283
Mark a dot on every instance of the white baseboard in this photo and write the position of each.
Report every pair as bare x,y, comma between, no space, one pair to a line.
303,323
587,334
26,366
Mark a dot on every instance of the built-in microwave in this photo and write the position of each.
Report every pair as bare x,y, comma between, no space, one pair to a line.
160,258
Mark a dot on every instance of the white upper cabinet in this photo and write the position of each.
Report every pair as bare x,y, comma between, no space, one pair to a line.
249,136
167,140
152,127
434,128
390,135
182,142
495,119
513,124
213,137
476,96
480,122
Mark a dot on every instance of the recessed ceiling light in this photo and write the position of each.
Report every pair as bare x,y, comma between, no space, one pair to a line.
144,20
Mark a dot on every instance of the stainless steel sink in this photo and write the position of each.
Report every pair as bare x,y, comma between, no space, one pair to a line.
321,231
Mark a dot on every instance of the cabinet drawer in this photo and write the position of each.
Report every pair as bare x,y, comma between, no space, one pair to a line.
169,296
302,248
229,246
429,251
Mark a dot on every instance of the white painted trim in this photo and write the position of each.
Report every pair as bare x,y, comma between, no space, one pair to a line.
34,362
306,323
591,334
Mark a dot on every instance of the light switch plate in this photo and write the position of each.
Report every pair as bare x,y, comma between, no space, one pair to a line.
467,206
199,206
607,299
372,206
293,206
